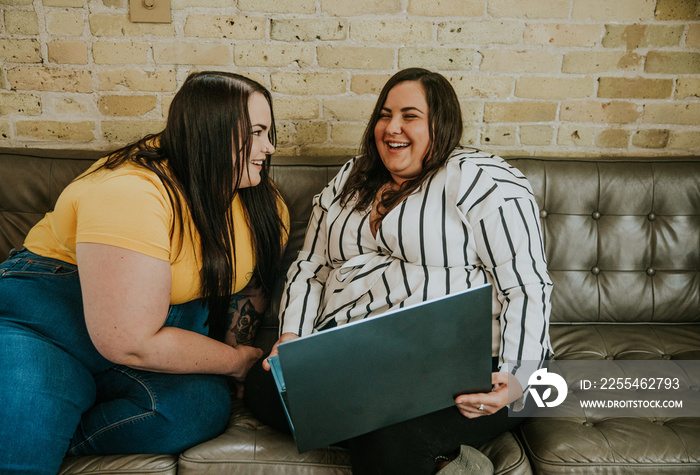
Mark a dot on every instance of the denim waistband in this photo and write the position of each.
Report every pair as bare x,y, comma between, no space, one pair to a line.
26,254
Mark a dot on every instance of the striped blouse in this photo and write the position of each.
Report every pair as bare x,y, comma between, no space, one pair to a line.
475,221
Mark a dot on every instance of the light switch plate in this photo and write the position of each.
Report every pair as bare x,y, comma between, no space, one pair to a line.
150,11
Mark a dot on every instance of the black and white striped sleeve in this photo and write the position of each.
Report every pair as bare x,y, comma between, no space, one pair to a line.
505,221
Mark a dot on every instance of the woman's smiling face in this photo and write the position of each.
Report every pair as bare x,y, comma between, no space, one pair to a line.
261,123
402,133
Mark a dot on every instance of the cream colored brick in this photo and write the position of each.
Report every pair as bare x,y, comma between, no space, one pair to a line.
391,31
273,55
192,54
328,151
278,6
182,4
284,134
131,106
311,132
634,88
470,135
20,51
692,38
165,102
19,103
356,57
368,83
63,3
672,62
613,112
687,87
442,8
516,61
536,134
636,36
480,32
561,34
677,10
36,78
309,83
68,52
438,58
126,131
71,106
520,111
485,87
538,87
127,52
360,7
4,129
65,23
685,139
591,62
651,138
21,22
472,111
505,135
137,80
296,108
669,113
607,11
529,8
118,26
576,135
613,138
347,133
317,29
220,26
10,3
53,130
351,109
117,4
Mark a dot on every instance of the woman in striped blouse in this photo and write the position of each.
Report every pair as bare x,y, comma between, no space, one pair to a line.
413,217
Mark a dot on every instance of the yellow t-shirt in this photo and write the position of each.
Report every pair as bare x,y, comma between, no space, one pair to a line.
130,208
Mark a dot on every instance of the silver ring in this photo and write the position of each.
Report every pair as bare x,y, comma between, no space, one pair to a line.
481,407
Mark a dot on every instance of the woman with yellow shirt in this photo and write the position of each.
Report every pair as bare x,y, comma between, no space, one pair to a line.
117,319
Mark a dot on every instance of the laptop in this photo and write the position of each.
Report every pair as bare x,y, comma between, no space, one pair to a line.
362,376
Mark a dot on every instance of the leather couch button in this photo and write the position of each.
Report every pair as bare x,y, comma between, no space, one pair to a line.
596,215
666,357
651,271
651,216
609,357
595,270
543,213
588,424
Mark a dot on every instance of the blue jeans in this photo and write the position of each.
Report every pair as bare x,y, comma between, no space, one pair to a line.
59,396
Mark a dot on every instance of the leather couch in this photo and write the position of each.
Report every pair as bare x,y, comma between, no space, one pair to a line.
622,236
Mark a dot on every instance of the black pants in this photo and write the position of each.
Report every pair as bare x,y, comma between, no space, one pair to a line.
408,447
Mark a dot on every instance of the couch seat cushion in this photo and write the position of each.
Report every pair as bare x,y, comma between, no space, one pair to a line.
248,447
616,445
114,464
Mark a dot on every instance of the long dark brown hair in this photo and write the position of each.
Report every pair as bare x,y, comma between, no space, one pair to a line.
208,125
369,174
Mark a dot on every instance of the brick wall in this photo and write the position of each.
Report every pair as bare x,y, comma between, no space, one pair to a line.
544,77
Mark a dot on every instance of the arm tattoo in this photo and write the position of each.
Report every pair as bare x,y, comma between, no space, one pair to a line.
242,321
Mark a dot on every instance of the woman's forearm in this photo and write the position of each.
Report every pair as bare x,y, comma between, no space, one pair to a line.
174,350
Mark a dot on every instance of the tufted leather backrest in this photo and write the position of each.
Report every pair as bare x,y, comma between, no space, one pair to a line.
622,237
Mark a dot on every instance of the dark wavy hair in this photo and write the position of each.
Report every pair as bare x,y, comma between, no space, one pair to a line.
208,125
369,174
